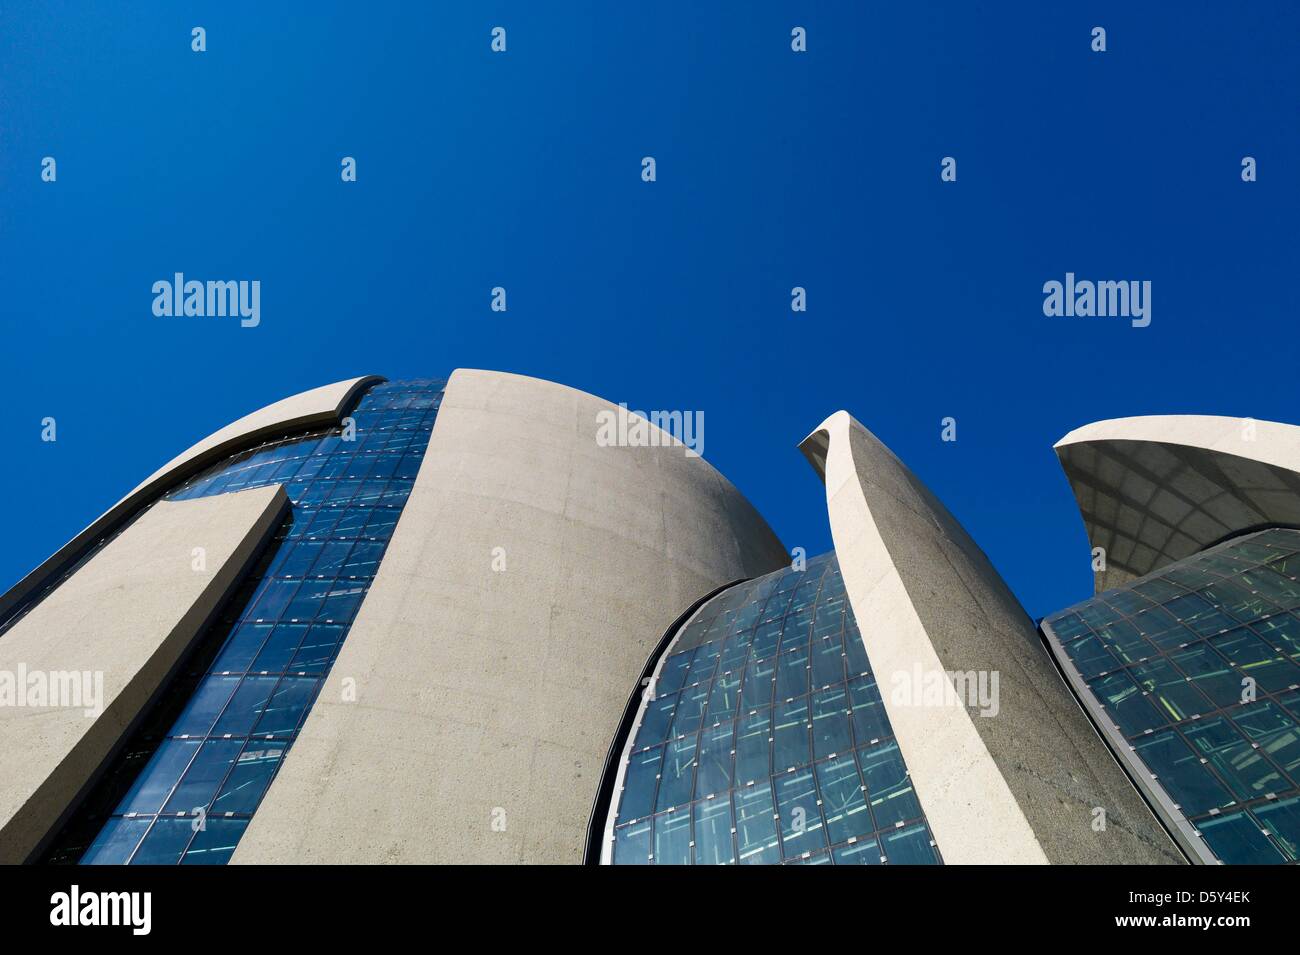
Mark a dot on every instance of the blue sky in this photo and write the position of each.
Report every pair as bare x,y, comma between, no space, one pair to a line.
775,169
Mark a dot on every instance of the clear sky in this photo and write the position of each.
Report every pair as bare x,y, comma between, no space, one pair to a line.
774,169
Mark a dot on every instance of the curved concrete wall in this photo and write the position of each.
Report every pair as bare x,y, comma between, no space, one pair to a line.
1155,489
470,711
1018,785
317,407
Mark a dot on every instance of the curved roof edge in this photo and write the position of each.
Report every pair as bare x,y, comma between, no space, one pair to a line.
317,407
1274,442
1016,788
482,376
1155,489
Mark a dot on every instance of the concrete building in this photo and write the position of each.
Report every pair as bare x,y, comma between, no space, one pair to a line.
888,703
515,575
451,621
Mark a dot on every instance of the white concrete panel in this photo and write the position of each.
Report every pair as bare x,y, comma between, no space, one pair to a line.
121,622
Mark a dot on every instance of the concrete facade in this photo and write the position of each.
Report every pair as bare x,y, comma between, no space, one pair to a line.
130,613
317,407
532,572
1155,489
469,713
1019,786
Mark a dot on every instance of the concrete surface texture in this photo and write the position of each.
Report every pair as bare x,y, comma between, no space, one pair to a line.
1155,489
470,711
318,407
1021,784
118,626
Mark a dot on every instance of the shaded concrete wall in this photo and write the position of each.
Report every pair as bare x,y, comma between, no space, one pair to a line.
129,613
1016,787
485,694
318,407
1153,490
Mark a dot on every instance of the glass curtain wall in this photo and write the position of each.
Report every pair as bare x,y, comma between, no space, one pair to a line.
1197,668
764,739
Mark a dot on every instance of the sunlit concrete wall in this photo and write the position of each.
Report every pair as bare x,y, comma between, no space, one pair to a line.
1021,784
470,711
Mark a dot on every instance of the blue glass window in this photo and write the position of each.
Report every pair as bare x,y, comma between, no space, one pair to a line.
1209,700
765,736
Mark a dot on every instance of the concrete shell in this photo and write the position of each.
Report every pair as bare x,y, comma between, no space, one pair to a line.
469,713
1021,784
1155,489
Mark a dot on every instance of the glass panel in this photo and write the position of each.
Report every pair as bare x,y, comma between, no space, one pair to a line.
754,747
246,705
639,784
909,846
1235,838
1199,614
756,838
870,724
250,776
792,737
859,853
204,776
1210,673
116,841
673,837
1245,770
888,788
831,729
1169,690
1274,730
152,787
215,844
632,844
1123,699
1254,658
1281,820
1179,771
801,821
713,832
287,705
1281,631
843,799
713,763
678,773
165,843
205,706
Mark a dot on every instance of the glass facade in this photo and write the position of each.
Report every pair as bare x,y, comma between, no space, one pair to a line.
763,739
189,781
1196,665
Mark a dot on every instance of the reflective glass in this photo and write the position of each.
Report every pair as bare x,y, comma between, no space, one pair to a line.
1213,707
764,734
